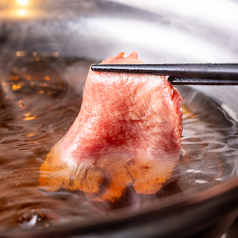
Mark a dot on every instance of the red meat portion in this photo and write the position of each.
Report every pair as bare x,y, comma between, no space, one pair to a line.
128,133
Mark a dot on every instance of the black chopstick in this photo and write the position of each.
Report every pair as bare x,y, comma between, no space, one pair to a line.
201,81
197,74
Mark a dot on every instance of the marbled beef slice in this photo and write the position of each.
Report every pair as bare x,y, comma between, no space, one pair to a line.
127,133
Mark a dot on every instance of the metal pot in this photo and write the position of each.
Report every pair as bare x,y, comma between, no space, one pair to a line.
161,32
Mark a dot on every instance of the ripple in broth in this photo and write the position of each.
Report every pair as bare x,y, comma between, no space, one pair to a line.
40,104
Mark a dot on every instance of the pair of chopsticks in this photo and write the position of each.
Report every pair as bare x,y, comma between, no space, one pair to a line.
190,74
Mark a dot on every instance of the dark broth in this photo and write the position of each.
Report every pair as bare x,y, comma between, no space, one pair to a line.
38,105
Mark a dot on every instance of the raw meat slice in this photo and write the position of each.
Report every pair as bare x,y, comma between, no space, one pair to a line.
127,133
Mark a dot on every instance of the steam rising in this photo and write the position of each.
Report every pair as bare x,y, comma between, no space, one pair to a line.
42,77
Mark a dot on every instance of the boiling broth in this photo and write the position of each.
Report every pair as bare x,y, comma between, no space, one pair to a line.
41,97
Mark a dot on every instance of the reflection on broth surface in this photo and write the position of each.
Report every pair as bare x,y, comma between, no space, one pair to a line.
38,107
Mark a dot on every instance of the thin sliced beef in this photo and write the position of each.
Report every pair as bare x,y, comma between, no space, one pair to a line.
127,133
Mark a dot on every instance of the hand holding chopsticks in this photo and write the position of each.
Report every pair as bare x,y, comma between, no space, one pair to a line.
190,74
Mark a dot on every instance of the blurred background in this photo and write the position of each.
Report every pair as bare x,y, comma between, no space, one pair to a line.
160,31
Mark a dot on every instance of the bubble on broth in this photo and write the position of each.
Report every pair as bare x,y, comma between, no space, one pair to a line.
42,98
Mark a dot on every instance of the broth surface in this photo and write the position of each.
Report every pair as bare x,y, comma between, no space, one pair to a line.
39,102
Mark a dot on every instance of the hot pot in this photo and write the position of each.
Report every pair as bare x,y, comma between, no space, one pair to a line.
161,32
